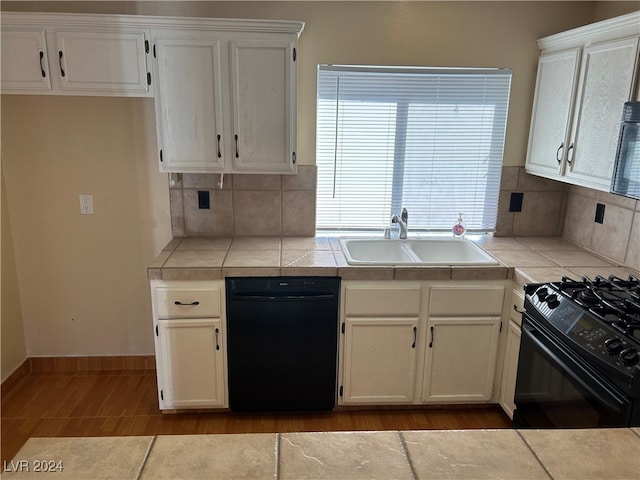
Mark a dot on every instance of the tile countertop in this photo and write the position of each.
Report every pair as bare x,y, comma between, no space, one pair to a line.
426,454
525,259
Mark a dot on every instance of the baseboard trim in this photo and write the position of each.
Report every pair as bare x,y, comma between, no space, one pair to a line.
92,364
14,379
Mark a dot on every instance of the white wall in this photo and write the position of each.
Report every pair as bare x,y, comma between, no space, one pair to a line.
13,346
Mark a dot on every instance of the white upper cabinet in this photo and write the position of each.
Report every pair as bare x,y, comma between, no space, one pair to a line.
608,75
551,121
584,78
102,61
189,109
24,61
74,54
263,89
226,101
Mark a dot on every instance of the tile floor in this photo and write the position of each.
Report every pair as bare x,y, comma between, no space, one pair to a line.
612,454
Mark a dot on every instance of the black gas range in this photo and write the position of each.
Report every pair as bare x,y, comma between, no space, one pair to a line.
579,354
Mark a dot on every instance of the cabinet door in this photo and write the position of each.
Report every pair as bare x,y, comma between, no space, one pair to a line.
24,61
551,116
192,363
263,83
379,360
461,359
189,105
104,62
608,72
510,369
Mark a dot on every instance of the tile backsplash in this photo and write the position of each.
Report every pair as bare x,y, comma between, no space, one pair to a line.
551,208
617,237
543,205
261,205
285,205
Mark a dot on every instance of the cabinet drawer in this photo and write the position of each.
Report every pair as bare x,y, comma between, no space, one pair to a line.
450,301
397,302
188,302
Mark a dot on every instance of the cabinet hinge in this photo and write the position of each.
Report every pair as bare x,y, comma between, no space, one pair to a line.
148,78
293,158
161,395
154,50
295,54
157,331
161,155
146,46
341,391
342,327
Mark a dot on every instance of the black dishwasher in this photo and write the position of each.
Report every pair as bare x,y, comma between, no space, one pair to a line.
282,341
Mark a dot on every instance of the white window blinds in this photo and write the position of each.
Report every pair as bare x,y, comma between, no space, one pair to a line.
430,140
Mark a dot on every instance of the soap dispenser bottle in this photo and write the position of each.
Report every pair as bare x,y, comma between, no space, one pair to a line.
460,228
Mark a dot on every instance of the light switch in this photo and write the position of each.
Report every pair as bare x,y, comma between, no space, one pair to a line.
86,204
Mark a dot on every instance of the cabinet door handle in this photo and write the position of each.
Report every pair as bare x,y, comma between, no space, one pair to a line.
415,337
217,343
60,62
431,342
558,154
44,74
179,303
219,153
237,153
569,155
515,307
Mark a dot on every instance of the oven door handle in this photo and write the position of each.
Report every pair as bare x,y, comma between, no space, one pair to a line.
567,370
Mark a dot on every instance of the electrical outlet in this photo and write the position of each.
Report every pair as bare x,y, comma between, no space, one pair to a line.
515,202
599,213
86,204
204,203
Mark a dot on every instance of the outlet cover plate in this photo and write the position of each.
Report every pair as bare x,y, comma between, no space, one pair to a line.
86,204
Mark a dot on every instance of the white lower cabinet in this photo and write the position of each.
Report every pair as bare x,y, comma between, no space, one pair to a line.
192,363
379,342
379,360
190,343
461,359
511,354
407,342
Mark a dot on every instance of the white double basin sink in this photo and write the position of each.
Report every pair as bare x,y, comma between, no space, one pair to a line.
418,252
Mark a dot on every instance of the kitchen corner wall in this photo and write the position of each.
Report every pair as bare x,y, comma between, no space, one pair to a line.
543,205
262,205
617,238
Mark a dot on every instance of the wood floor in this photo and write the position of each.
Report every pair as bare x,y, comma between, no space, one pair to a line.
125,403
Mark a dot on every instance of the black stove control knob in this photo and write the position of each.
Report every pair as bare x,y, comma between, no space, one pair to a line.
613,345
542,293
629,356
552,300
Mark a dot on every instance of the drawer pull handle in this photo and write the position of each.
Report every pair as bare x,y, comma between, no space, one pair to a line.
217,344
178,302
44,74
570,155
558,154
62,73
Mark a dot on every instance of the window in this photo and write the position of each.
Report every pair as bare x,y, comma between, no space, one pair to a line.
430,140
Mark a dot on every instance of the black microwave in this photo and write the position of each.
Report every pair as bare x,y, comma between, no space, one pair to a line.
626,172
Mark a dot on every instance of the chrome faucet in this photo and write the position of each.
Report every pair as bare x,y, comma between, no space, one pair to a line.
402,220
